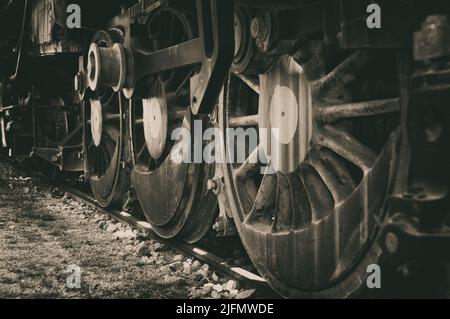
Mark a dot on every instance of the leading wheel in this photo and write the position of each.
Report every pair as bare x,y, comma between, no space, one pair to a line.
310,194
104,136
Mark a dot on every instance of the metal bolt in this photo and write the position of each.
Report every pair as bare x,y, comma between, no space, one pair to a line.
219,226
211,185
260,26
391,242
80,83
212,118
77,82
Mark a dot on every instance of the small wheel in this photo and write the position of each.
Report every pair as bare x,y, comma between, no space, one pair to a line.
172,192
309,196
104,139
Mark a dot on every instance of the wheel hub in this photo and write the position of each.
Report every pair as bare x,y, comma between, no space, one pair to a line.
285,115
155,123
96,121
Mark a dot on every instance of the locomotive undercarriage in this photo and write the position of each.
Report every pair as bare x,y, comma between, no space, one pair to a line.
357,175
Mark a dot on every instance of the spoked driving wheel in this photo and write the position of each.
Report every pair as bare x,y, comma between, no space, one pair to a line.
171,190
104,135
309,198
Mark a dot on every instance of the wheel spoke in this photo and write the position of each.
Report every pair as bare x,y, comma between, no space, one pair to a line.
107,118
292,204
172,22
338,188
177,114
251,82
329,114
338,168
141,151
111,117
345,145
283,206
331,86
171,97
243,121
180,89
250,165
110,100
265,199
319,196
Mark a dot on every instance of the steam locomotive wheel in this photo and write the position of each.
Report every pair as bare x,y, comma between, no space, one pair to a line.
108,179
172,192
309,198
104,139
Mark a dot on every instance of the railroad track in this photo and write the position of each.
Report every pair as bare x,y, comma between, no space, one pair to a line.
190,250
250,279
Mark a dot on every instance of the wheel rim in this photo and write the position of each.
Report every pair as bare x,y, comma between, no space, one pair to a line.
309,226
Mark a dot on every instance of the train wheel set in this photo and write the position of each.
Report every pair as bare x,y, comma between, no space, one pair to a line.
339,147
